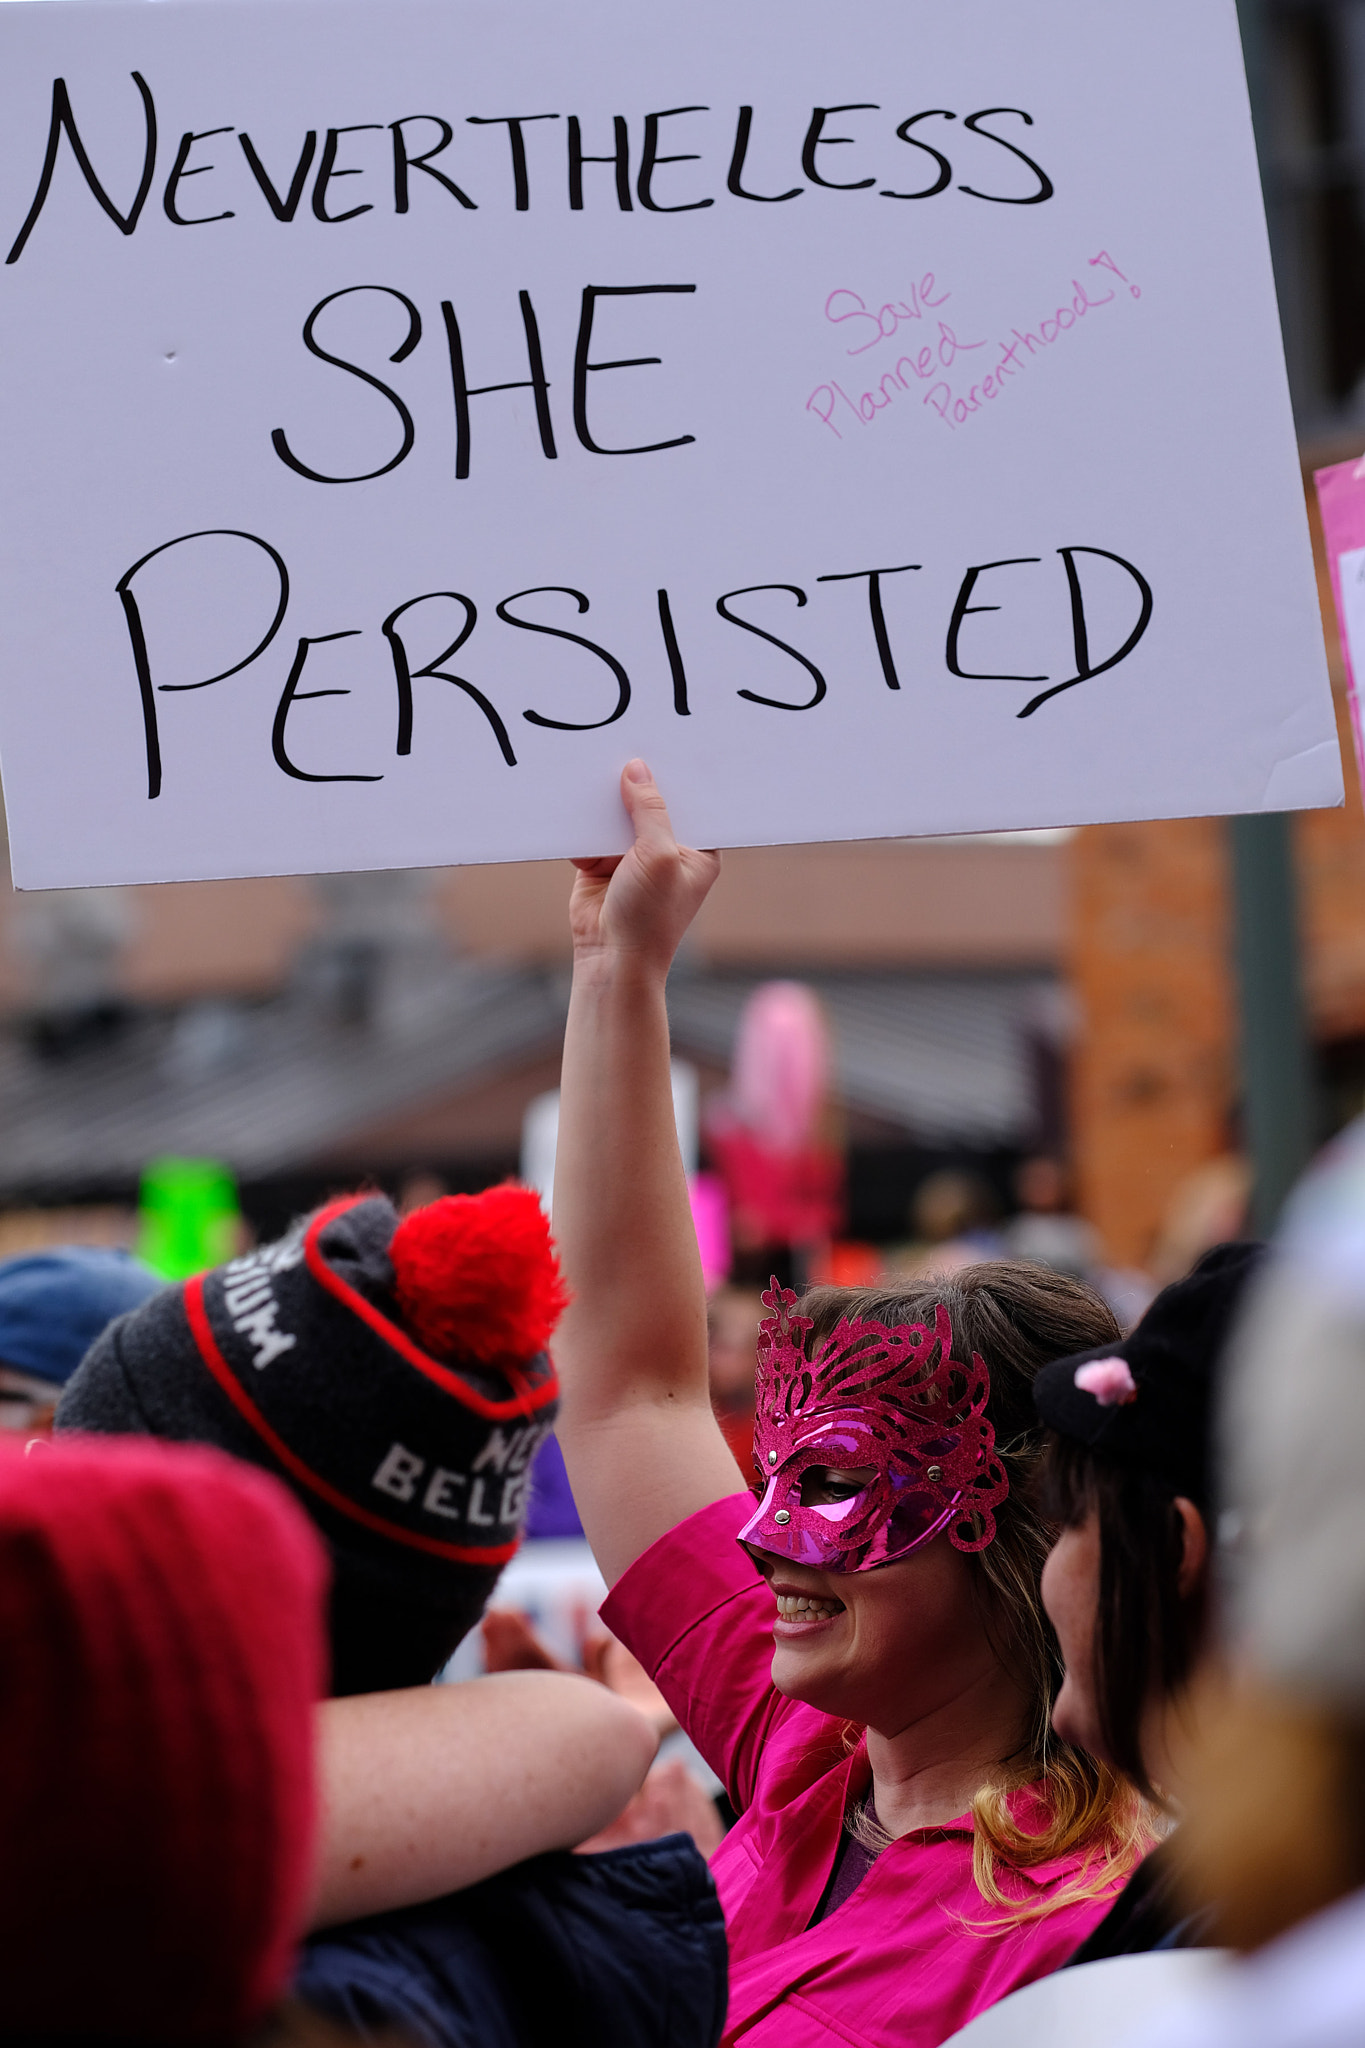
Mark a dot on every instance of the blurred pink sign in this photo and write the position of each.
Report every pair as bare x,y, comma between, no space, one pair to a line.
711,1218
1341,496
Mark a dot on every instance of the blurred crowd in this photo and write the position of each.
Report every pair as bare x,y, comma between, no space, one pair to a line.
378,1660
956,1219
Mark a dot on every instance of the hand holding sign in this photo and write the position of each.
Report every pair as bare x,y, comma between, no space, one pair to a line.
640,902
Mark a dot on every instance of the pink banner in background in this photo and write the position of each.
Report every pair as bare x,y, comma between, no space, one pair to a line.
1341,497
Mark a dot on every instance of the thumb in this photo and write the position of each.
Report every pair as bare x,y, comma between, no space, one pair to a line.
646,808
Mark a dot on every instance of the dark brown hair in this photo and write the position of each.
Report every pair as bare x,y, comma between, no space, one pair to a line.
1019,1317
1147,1632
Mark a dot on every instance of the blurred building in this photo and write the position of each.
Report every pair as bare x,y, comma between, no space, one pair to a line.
313,1033
1156,1076
1306,61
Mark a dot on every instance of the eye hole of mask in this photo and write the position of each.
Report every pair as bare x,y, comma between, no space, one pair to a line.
824,1486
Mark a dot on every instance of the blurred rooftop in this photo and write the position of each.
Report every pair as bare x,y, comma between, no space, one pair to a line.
312,1030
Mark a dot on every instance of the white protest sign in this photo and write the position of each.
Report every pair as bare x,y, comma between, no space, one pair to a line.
875,418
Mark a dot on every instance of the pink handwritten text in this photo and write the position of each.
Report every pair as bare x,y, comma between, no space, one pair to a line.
885,321
927,362
954,402
955,407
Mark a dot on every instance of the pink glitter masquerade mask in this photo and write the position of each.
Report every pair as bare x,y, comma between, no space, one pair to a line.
893,1399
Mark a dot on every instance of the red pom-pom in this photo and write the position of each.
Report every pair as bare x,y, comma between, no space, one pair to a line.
476,1276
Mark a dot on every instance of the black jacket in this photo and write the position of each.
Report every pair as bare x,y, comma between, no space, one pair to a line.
622,1950
1147,1914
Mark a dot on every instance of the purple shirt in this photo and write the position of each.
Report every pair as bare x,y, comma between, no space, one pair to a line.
551,1511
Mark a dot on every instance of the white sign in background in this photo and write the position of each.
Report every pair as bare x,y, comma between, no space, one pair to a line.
1004,333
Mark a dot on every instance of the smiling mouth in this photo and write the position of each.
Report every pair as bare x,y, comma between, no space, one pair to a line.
806,1607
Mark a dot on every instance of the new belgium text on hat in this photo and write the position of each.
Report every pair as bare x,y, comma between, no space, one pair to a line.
395,1373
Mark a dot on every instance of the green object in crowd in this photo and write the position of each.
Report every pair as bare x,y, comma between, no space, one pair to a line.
188,1217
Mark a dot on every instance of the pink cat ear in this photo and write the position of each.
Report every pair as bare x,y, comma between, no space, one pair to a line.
1109,1380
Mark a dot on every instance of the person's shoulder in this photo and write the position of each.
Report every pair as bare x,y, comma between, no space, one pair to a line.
699,1563
1305,1990
687,1591
699,1617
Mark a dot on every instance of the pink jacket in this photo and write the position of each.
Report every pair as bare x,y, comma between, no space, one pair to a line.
911,1955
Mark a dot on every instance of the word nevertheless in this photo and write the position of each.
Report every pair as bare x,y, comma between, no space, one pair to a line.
998,170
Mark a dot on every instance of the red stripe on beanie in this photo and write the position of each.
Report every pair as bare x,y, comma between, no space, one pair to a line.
207,1346
525,1403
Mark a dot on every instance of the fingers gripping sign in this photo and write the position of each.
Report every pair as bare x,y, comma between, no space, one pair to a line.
639,904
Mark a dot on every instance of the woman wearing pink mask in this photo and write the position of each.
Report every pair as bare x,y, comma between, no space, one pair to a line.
860,1651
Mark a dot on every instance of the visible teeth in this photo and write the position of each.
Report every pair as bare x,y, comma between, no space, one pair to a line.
805,1607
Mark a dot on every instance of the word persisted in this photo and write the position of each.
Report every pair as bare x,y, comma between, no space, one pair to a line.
394,160
985,587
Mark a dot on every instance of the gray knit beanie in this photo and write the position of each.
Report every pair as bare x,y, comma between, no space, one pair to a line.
393,1374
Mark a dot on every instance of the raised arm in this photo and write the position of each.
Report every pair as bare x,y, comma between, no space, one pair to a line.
641,1445
426,1791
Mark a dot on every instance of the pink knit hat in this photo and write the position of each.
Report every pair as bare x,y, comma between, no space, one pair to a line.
161,1652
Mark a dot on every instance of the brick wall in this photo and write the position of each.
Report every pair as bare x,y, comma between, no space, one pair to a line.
1153,1066
1155,1072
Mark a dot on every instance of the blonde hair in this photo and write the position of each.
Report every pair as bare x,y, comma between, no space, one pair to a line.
1019,1317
